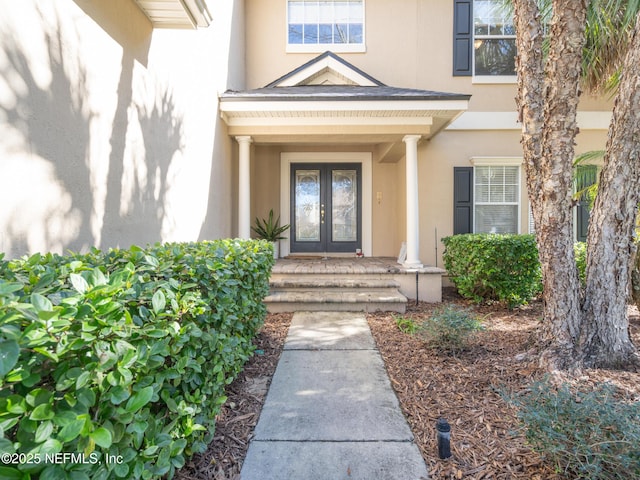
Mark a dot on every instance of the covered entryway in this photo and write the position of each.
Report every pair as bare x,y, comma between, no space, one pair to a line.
328,111
326,207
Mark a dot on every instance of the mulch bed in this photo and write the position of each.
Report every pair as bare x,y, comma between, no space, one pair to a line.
467,389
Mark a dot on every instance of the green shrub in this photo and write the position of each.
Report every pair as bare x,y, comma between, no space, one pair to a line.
450,328
580,252
586,435
123,356
494,267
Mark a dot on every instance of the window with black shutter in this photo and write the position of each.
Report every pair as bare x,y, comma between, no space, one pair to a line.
462,200
462,37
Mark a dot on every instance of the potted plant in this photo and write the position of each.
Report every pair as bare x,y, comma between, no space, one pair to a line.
271,231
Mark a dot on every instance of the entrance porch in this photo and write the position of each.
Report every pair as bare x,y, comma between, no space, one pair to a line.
335,152
369,284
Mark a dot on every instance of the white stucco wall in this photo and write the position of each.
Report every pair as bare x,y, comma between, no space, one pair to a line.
109,128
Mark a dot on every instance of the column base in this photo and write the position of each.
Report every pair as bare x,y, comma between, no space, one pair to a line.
413,264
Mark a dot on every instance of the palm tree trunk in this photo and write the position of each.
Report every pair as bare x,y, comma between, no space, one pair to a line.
547,104
605,340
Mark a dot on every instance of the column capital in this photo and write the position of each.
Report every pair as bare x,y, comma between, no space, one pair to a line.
244,139
411,138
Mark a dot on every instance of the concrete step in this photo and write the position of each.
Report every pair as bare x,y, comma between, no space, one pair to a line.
334,282
334,292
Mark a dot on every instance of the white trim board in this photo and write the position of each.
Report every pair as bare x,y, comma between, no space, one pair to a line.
587,120
364,158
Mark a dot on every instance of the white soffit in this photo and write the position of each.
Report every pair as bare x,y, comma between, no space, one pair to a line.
392,112
177,13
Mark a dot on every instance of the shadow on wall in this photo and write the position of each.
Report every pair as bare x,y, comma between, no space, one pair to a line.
56,197
52,204
136,210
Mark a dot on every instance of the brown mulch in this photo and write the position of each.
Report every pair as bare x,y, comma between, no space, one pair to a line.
239,415
467,389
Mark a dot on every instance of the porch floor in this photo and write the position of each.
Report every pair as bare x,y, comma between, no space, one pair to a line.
349,284
345,265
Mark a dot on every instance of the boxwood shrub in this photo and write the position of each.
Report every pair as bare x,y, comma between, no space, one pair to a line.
114,364
494,267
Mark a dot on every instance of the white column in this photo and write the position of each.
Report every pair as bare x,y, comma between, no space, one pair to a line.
244,187
413,222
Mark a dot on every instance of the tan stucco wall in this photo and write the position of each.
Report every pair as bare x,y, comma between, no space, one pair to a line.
410,48
110,128
455,149
436,159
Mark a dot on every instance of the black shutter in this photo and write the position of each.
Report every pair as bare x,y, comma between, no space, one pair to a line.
587,176
462,200
462,37
582,221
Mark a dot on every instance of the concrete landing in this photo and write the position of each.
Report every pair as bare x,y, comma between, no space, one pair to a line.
330,412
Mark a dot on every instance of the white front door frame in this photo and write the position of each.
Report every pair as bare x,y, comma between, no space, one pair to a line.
364,158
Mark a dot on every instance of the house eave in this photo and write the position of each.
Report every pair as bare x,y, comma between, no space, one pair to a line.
313,119
189,14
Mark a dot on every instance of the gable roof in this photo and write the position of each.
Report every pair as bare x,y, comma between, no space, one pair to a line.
330,77
329,99
328,61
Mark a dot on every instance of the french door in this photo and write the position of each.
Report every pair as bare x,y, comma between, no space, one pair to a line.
326,207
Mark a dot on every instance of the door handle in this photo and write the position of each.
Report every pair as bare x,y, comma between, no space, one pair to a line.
322,213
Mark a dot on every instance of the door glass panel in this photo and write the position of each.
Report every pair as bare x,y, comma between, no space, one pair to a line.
307,205
344,206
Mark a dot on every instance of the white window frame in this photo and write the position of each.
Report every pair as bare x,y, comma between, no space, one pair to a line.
488,79
323,47
498,162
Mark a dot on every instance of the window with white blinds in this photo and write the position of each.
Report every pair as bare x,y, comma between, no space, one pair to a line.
497,195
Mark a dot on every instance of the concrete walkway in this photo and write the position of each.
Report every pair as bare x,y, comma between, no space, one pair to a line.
330,412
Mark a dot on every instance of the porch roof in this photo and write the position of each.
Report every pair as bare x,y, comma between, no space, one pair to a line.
339,92
328,100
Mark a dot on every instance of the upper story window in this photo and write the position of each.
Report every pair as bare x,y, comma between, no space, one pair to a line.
314,26
494,39
484,41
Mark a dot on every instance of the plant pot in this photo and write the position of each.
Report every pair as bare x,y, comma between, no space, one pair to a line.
276,249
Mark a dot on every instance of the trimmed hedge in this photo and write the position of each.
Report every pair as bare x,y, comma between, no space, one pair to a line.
494,267
114,364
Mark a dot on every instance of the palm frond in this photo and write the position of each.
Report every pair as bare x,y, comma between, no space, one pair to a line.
588,157
608,31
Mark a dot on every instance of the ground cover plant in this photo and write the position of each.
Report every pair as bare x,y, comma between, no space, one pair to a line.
592,433
448,329
121,358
